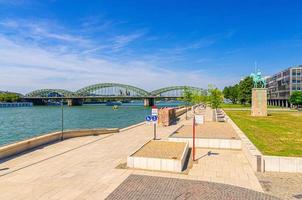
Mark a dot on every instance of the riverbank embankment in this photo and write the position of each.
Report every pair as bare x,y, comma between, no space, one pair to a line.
25,145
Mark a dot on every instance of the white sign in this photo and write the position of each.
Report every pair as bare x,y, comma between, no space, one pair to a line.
199,119
154,112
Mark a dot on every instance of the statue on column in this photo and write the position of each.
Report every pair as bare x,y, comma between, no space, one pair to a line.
258,80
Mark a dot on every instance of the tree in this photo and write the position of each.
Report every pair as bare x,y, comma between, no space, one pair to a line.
245,90
9,97
296,98
226,92
231,93
215,97
198,98
187,96
234,93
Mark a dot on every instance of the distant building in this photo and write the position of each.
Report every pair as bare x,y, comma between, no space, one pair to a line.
281,85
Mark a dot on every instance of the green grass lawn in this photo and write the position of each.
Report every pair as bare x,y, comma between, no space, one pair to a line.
226,105
229,105
278,134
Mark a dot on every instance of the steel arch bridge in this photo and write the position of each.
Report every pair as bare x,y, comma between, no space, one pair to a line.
50,93
122,89
104,90
179,89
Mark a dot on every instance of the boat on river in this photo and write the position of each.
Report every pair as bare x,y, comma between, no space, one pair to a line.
113,103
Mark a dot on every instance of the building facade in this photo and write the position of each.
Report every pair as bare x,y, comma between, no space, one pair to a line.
281,85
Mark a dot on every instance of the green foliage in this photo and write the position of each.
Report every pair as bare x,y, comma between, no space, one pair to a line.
187,96
9,97
245,90
241,92
198,98
296,98
215,97
231,93
193,97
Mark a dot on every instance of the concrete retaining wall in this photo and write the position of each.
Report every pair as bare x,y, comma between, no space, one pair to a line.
19,147
210,143
282,164
131,127
158,163
263,163
181,111
253,155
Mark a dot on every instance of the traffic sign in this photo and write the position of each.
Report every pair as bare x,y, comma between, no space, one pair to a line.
154,118
154,111
148,118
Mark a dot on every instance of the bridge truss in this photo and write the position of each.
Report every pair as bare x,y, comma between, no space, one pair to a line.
104,90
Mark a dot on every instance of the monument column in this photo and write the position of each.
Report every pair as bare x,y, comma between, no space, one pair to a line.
259,102
259,95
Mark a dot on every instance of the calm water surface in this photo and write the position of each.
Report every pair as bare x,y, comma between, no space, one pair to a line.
22,123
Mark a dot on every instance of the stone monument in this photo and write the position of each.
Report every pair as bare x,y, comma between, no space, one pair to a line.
259,95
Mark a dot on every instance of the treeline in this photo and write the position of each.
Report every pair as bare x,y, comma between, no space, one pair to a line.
214,97
241,92
9,97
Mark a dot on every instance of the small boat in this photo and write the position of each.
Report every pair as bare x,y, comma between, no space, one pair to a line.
113,103
115,107
54,103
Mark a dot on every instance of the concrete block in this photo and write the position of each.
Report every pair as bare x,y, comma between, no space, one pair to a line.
225,144
213,143
130,162
203,143
235,144
299,165
157,163
272,164
140,162
177,166
153,163
287,164
170,165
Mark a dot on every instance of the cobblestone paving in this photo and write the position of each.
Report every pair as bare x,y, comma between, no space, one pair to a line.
150,187
287,186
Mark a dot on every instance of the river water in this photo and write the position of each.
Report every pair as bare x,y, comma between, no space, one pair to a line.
22,123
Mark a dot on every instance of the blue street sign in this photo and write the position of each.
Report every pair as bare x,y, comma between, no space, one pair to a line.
154,118
148,118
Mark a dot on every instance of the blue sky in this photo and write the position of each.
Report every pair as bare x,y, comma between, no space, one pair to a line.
149,44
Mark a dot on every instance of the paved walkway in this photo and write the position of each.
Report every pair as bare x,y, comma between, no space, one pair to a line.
79,168
85,168
287,186
150,187
224,166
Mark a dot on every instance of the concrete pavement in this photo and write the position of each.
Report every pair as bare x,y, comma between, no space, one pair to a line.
85,168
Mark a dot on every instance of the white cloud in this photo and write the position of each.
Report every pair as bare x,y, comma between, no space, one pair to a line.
121,41
28,65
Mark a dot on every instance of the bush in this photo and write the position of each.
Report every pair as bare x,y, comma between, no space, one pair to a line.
296,98
9,97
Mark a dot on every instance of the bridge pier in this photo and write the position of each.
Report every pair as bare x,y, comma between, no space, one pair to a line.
38,102
149,102
74,102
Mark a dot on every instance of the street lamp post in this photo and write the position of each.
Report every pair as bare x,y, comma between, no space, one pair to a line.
186,111
62,121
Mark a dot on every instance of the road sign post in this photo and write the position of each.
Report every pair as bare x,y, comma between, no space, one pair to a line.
193,137
154,116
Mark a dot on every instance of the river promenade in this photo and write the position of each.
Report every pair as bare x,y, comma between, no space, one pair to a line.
92,167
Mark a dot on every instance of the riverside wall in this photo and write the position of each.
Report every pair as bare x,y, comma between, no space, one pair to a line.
25,145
